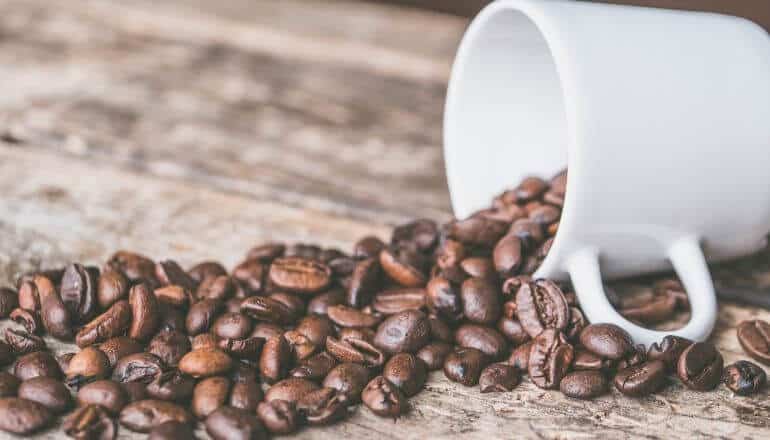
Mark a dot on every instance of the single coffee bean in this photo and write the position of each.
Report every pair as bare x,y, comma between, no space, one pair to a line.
513,331
19,342
530,188
363,333
29,320
323,406
209,395
744,378
279,416
48,392
586,384
541,305
172,431
266,252
635,357
205,362
28,296
109,324
316,328
407,332
577,322
218,288
108,394
400,299
304,250
364,282
228,423
136,267
450,253
479,267
232,326
9,384
404,266
700,366
171,385
9,300
245,394
477,231
267,309
321,302
37,364
486,339
201,315
250,276
248,348
464,365
349,379
383,398
138,367
530,233
276,359
169,273
294,303
549,359
607,340
585,360
78,291
422,233
669,350
499,378
169,346
144,313
90,422
754,337
519,357
290,390
346,316
206,269
434,354
119,347
300,275
204,340
481,301
407,372
87,365
55,317
658,309
507,255
112,287
173,296
443,298
22,416
440,330
144,415
301,346
356,351
641,380
315,367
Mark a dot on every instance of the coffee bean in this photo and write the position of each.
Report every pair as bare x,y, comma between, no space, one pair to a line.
450,253
422,233
248,348
507,255
364,282
171,385
349,379
250,276
635,357
54,315
641,380
138,367
519,357
658,309
300,275
135,267
513,331
144,313
481,301
464,365
530,188
144,415
363,333
172,318
7,351
266,252
22,416
206,269
48,392
290,390
90,422
111,323
434,354
267,309
754,337
479,267
28,296
323,406
355,350
315,367
205,362
321,302
19,342
368,247
119,347
173,296
27,319
300,345
477,231
499,378
169,273
577,322
87,365
37,364
232,326
276,359
136,391
700,366
217,288
316,329
172,431
396,300
279,416
404,266
586,384
407,372
607,340
443,298
245,394
78,290
108,394
549,359
209,395
169,346
201,315
9,384
744,378
486,339
9,300
112,287
541,305
228,423
407,332
585,360
204,340
669,350
383,398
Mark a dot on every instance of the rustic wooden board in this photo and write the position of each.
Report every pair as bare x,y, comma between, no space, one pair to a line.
192,130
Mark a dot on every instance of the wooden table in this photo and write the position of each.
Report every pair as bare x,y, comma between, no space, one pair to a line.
192,129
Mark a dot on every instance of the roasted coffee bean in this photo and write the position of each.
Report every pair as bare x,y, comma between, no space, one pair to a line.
396,300
279,416
9,384
754,337
119,347
90,422
519,357
404,266
368,247
48,392
477,231
19,342
635,357
303,250
549,359
316,329
138,367
545,215
171,318
135,267
643,379
228,423
55,317
169,273
300,275
290,390
443,298
136,391
219,288
315,367
450,253
585,360
301,346
78,290
577,322
169,346
276,359
268,309
112,287
294,303
434,354
209,395
541,305
323,406
585,384
607,340
422,233
172,296
246,394
700,366
232,326
349,379
27,319
508,255
364,282
247,348
250,275
363,333
108,394
479,267
111,323
668,351
674,288
144,313
440,330
744,378
486,339
206,269
204,340
28,297
172,431
321,302
407,332
9,300
513,331
346,316
481,301
201,315
650,311
407,372
171,385
355,350
530,233
464,365
144,415
499,378
22,416
266,252
87,365
37,364
205,362
530,188
383,398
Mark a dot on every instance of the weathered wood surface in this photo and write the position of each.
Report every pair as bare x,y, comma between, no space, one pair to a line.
192,129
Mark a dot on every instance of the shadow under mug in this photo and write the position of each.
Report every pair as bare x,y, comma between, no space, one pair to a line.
662,116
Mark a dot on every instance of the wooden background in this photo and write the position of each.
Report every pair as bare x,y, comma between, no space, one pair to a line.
193,129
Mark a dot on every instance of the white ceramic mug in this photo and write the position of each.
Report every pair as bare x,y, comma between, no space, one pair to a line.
662,116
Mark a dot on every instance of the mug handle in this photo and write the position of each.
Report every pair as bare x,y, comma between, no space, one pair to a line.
687,258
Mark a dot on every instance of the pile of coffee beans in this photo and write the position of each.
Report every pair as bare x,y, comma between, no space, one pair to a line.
300,335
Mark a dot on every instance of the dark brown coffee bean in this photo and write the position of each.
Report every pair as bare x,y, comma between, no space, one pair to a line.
508,255
530,233
250,275
172,431
407,332
346,316
9,384
315,367
232,326
513,331
246,394
355,350
119,347
144,415
205,362
48,392
349,379
228,423
464,365
585,360
519,357
510,287
421,233
136,391
201,315
108,394
37,364
316,329
658,309
22,416
301,346
321,302
396,300
144,313
55,317
363,333
90,422
481,301
407,372
267,309
668,351
586,384
549,359
364,282
266,252
28,298
172,296
209,395
135,267
700,366
754,337
138,367
169,273
530,188
641,380
440,330
434,354
499,378
204,341
219,288
450,253
545,215
87,365
266,330
303,250
404,266
443,298
78,291
172,318
247,348
541,305
300,275
479,267
171,385
323,406
206,269
744,378
9,300
477,231
290,390
383,398
279,416
276,359
607,340
486,339
111,323
19,342
169,346
29,320
577,322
